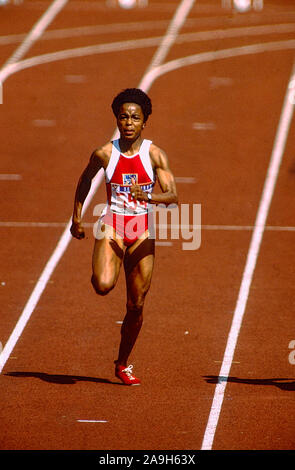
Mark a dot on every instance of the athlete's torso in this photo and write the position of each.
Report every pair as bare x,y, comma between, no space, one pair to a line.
118,174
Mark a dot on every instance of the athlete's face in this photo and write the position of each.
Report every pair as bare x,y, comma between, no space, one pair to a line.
130,121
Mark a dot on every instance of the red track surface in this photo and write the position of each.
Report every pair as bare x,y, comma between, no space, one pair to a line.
61,369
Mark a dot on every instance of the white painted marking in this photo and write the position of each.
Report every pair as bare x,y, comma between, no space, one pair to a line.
280,229
146,25
203,126
185,179
89,31
78,52
262,213
35,32
59,250
92,421
34,297
29,40
75,78
163,243
216,82
33,224
44,123
177,22
142,43
218,55
227,227
10,177
272,228
233,362
191,227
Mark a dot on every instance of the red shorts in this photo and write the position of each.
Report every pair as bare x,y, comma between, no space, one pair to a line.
128,227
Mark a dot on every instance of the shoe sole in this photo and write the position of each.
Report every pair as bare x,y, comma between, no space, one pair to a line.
128,385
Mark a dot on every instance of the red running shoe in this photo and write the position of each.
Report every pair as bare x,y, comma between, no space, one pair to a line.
125,375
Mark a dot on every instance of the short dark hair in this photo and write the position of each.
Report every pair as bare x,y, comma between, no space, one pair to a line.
133,95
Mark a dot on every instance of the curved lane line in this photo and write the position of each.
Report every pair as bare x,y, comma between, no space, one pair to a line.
218,55
36,31
12,68
146,25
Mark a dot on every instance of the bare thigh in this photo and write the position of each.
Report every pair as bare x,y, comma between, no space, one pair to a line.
138,264
106,263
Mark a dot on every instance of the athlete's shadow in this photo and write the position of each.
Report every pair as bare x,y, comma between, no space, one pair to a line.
281,383
62,378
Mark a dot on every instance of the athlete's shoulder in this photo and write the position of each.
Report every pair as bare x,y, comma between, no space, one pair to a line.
158,155
102,154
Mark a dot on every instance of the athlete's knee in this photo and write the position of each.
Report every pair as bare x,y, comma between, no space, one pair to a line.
100,286
135,306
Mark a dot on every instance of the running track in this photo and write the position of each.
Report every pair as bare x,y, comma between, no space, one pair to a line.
217,114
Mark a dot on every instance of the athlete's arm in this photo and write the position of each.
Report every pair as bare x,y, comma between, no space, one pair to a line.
165,177
96,162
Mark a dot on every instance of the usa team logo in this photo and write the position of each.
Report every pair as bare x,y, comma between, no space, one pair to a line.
127,177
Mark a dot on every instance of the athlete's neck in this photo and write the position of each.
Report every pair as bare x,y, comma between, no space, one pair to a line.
130,147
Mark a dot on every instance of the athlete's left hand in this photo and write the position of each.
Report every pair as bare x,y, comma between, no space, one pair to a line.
136,192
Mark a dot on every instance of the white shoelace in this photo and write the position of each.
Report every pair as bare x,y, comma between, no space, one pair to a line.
128,371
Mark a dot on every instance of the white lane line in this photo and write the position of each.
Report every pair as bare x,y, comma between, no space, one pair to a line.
91,421
146,25
177,22
216,82
44,122
78,52
165,41
75,78
92,30
262,213
57,254
163,243
36,32
10,177
185,179
34,297
155,72
29,40
14,224
219,55
271,228
204,126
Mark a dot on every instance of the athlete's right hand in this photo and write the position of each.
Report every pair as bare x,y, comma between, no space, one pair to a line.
77,230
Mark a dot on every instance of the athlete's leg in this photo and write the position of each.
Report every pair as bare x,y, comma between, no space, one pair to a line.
106,262
138,264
